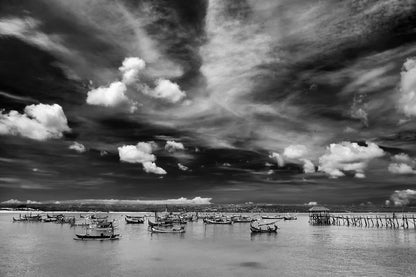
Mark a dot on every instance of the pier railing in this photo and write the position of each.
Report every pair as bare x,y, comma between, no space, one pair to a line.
393,221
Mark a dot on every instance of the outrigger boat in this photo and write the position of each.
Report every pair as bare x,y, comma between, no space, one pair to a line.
272,217
159,224
242,219
268,229
218,220
134,219
178,229
101,231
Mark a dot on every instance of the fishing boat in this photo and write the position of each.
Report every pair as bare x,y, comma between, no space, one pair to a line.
242,219
218,220
159,223
134,219
289,217
99,237
50,219
34,218
272,217
267,229
177,229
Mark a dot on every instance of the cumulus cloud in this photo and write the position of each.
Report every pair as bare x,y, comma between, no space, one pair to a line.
131,68
402,164
403,197
401,168
140,153
80,148
151,167
407,99
182,167
295,151
348,156
308,166
312,203
279,159
172,146
166,90
38,122
111,96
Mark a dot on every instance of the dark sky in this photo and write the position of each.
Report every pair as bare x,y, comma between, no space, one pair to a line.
276,101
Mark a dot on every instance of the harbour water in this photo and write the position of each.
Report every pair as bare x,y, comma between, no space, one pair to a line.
48,249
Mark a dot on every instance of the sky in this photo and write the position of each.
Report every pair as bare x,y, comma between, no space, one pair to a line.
208,101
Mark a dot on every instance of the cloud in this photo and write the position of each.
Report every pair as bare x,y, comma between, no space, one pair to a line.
403,197
312,203
80,148
172,146
15,201
140,153
348,156
279,159
27,29
151,167
407,100
182,167
111,96
402,164
308,166
39,122
295,151
401,168
166,90
131,68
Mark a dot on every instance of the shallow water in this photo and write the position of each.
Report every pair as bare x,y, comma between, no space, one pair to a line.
48,249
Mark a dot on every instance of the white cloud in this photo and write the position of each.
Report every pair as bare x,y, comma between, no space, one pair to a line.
348,156
295,151
27,29
15,201
166,90
403,197
308,166
80,148
173,146
182,167
110,96
131,68
401,168
402,164
140,153
407,100
312,203
38,122
279,159
151,167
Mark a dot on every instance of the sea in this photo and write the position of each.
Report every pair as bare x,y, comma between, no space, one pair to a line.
298,249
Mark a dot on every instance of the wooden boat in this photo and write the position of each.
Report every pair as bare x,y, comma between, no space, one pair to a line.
290,217
50,219
180,229
268,229
272,217
217,221
134,219
99,237
159,224
26,218
242,219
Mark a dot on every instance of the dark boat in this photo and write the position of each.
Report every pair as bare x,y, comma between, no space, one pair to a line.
99,237
134,219
268,229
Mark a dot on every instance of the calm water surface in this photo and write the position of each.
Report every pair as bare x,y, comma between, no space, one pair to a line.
48,249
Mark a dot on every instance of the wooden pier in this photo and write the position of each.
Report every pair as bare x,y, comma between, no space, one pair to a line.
319,215
393,221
